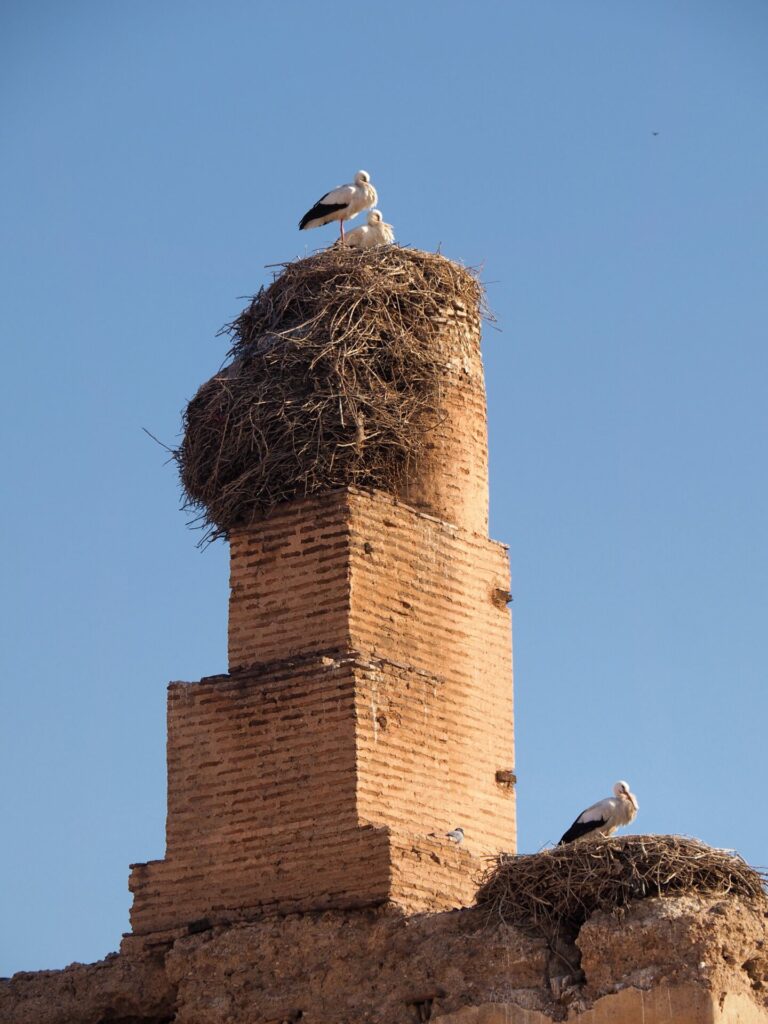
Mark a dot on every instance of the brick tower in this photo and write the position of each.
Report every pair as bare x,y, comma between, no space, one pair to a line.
368,701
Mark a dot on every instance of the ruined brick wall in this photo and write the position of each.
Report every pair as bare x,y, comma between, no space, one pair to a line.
451,479
370,703
261,775
289,585
666,961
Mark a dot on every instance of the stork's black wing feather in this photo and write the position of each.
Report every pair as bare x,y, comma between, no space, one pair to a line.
320,209
581,828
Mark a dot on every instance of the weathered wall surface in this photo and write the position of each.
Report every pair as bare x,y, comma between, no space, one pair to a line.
370,704
117,989
269,807
359,570
423,604
261,807
666,1004
665,961
289,583
451,479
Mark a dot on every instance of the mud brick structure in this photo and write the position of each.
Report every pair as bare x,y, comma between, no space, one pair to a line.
368,704
369,701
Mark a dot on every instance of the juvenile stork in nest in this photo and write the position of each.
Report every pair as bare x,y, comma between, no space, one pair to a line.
604,817
341,203
375,232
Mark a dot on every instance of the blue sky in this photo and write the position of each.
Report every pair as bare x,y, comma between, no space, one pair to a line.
157,156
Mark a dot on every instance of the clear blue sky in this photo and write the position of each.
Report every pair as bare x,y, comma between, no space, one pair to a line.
157,156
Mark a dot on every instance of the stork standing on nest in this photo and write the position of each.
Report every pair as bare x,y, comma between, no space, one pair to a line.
375,232
604,817
341,203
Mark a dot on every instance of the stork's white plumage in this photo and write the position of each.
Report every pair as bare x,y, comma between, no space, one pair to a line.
375,232
341,203
604,817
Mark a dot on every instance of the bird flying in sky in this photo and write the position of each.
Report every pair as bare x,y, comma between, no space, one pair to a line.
604,817
341,203
375,232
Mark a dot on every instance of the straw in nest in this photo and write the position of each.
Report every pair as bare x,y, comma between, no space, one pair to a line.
334,379
565,885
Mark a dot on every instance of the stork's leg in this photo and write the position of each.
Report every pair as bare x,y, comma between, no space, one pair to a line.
341,225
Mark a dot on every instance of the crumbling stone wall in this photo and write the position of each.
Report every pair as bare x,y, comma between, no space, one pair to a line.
663,961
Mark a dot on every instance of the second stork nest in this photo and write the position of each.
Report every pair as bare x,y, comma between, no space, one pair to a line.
334,379
565,885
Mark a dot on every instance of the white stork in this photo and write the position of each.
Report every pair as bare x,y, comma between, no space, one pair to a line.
375,232
604,817
341,203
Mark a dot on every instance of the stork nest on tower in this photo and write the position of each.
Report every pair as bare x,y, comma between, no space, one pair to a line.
334,379
565,885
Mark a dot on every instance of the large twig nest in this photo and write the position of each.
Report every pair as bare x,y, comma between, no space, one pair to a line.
334,379
565,885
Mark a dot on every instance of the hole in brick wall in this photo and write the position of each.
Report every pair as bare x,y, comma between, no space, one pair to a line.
422,1006
757,970
506,779
381,721
368,548
424,1009
501,597
201,925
